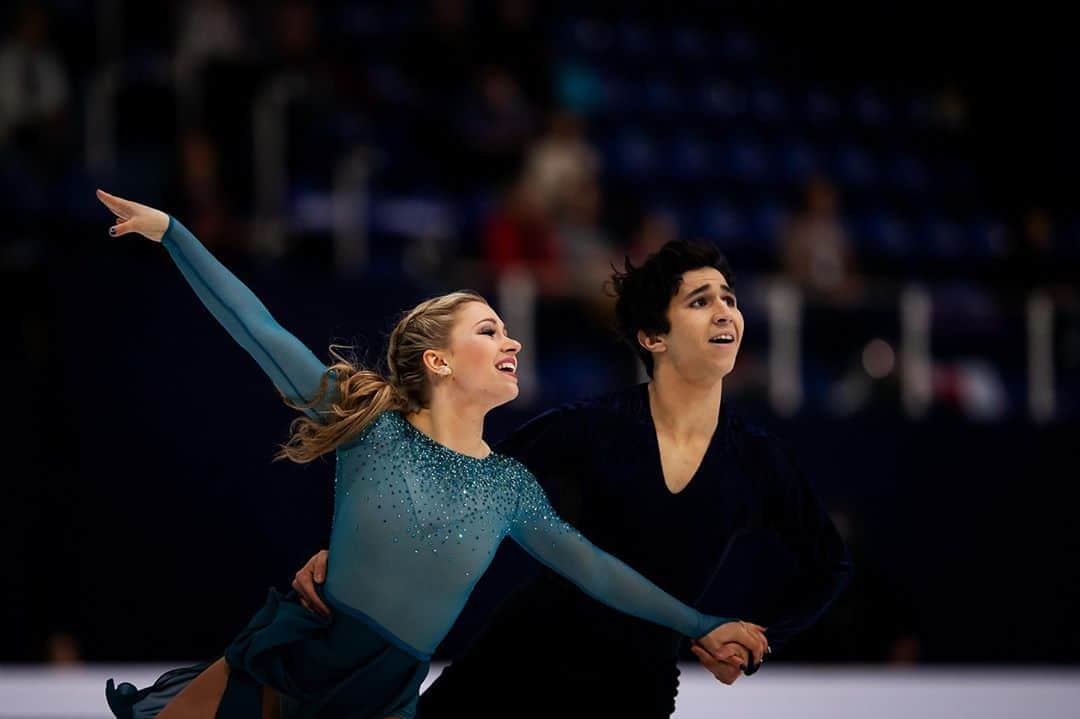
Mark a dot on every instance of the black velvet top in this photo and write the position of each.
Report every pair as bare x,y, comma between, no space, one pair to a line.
599,461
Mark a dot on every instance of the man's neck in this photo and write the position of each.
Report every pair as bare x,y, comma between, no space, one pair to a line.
683,408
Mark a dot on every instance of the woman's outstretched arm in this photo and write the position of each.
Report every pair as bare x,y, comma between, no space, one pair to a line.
292,367
550,540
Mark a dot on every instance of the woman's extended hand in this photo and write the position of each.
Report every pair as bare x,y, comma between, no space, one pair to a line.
133,217
748,634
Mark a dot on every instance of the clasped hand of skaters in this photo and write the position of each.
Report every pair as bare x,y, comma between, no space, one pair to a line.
737,656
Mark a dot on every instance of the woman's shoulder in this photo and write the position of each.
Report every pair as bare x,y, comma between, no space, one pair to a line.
507,466
386,425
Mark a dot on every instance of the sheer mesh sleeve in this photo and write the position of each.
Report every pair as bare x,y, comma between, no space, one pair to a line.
291,366
556,544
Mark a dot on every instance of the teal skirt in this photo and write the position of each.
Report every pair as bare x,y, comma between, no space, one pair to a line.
341,666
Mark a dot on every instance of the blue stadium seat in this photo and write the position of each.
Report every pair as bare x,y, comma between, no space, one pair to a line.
720,98
587,36
986,238
768,104
690,43
636,40
798,160
853,167
871,109
821,107
744,159
581,88
691,157
722,223
905,172
941,237
622,96
918,113
765,224
633,154
662,97
739,46
882,233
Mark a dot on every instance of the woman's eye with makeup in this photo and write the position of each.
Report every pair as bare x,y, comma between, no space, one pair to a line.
490,331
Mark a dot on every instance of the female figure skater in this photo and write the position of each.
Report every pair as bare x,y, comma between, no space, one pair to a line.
421,504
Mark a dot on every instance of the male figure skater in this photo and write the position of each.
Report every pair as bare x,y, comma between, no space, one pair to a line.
664,475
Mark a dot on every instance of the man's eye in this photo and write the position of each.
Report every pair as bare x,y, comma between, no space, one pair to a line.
730,301
699,302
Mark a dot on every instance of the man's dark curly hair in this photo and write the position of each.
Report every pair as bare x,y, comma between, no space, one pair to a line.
644,293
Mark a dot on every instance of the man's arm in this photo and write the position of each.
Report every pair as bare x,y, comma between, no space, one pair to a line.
554,446
792,509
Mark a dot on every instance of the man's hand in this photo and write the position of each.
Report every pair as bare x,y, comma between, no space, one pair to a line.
727,671
749,635
312,573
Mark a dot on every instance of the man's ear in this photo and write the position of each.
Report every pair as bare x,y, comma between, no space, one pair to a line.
651,343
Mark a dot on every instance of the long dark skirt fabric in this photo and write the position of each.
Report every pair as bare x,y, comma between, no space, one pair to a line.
322,668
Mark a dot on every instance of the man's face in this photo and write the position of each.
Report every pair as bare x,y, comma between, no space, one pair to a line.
706,327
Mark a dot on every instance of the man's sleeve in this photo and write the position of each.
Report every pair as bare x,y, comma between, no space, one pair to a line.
552,446
792,509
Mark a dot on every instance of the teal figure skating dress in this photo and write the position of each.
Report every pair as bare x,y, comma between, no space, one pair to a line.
415,526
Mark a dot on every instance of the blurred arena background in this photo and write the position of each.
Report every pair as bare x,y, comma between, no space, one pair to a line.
893,183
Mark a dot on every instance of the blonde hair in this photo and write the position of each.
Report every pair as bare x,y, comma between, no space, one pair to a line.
362,394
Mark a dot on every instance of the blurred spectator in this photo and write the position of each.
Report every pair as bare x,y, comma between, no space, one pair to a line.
951,108
560,162
657,228
208,30
210,42
495,124
62,649
34,88
1035,265
442,54
816,250
297,33
519,236
585,248
206,205
515,41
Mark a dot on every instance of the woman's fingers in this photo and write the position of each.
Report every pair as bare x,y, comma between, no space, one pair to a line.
133,217
120,207
122,227
708,660
318,565
304,584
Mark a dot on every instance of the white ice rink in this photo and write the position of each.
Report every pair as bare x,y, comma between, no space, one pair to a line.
806,693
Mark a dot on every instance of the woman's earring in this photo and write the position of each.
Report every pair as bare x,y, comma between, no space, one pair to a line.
445,371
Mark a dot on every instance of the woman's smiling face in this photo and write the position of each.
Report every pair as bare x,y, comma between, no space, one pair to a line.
481,356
